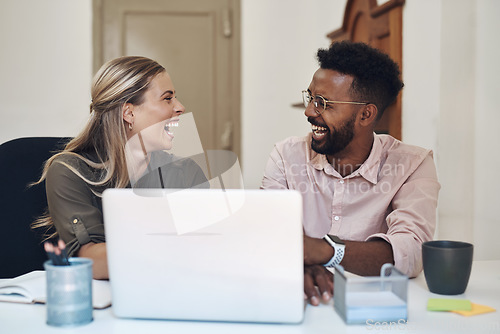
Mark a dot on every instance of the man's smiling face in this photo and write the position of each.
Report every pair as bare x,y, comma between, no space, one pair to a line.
334,129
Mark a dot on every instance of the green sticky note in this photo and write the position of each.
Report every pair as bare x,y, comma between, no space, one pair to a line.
441,304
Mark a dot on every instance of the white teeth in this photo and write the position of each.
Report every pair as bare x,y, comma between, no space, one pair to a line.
168,126
318,128
172,124
318,131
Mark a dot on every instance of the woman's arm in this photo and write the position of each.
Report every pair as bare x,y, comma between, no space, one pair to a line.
74,209
96,252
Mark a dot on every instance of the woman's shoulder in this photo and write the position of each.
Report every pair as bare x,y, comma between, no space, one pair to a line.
73,165
68,161
64,162
63,176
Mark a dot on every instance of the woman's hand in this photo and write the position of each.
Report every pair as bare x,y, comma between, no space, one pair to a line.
57,253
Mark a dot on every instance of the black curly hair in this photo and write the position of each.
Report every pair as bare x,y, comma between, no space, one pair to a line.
376,75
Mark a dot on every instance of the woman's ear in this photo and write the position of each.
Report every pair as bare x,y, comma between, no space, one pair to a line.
128,113
369,115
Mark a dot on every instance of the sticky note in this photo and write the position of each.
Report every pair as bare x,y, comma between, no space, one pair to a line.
476,309
441,304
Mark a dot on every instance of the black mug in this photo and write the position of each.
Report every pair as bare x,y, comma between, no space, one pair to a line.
447,266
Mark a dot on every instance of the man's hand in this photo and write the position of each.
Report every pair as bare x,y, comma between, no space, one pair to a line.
317,277
316,251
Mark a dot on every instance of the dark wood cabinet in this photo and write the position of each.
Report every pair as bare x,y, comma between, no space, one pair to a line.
379,26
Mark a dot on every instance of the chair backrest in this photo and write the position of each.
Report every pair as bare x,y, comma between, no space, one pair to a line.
21,162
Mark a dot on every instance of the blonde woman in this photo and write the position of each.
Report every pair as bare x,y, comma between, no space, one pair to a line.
133,107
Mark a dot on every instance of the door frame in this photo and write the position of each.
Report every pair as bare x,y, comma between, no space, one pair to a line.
235,75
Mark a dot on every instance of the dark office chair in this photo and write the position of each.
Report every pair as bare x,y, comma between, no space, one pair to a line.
21,162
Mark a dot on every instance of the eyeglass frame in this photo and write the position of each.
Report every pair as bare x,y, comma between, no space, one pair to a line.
325,101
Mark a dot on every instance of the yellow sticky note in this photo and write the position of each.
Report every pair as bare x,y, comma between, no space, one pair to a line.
442,304
475,310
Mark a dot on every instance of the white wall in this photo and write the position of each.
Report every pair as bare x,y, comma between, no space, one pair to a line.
450,69
450,64
421,73
45,67
456,134
279,46
486,149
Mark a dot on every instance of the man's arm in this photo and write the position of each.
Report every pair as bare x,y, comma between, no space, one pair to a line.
413,218
274,173
363,258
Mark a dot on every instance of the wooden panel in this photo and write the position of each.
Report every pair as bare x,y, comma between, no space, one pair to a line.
380,27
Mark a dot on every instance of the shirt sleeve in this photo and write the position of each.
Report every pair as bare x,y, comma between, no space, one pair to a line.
73,208
274,174
413,217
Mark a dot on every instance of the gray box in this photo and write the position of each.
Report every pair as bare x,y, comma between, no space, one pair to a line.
377,298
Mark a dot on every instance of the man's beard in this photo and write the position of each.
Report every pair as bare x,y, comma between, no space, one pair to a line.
335,141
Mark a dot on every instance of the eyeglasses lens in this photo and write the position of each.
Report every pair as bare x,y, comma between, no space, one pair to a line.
318,101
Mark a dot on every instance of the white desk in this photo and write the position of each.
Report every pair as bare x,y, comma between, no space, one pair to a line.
483,288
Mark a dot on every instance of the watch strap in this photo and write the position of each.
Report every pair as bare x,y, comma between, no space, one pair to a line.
338,254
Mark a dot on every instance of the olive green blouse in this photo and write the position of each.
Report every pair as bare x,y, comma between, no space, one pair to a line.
76,207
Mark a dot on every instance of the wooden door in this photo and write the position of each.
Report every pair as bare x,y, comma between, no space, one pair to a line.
381,27
197,41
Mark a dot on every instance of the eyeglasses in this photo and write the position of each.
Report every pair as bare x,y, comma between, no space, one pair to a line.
320,102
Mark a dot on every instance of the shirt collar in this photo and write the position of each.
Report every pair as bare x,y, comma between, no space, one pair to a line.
368,170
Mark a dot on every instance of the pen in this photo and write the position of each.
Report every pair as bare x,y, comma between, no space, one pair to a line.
57,253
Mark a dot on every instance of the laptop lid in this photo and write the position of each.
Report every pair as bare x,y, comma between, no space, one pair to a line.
205,254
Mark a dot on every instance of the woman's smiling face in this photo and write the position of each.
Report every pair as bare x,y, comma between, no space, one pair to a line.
159,112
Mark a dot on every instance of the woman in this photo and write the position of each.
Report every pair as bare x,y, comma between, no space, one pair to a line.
133,108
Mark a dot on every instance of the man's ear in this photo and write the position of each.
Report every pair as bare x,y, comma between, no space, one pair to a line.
128,113
368,115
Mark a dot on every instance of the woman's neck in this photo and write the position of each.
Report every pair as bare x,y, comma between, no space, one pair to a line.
137,158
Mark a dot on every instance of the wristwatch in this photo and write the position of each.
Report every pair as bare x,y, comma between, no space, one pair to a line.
338,247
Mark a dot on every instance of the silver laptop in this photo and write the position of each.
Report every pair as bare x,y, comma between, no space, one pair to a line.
205,254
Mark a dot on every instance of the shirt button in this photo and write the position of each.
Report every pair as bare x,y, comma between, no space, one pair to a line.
336,217
341,181
75,221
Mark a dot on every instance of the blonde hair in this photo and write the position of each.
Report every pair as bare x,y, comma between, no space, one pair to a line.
119,81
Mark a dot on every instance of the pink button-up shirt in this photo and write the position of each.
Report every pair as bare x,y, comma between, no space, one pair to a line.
392,195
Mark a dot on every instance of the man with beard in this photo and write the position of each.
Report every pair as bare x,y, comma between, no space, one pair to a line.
368,199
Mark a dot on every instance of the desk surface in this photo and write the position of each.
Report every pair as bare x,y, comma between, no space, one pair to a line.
483,288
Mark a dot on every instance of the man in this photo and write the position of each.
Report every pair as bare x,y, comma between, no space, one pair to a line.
368,199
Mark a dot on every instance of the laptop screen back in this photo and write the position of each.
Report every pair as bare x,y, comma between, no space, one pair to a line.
205,254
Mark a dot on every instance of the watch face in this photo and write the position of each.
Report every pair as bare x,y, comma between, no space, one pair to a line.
336,239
